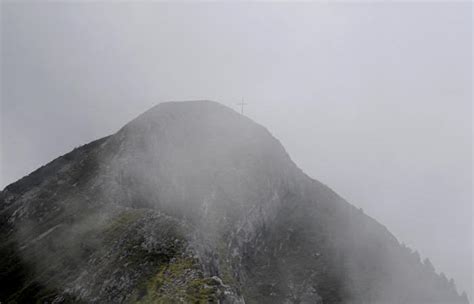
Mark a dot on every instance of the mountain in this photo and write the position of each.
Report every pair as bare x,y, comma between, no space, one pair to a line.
192,202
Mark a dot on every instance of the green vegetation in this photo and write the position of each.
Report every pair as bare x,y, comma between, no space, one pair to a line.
121,222
225,265
180,281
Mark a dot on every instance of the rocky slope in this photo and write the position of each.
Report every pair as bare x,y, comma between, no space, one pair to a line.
194,203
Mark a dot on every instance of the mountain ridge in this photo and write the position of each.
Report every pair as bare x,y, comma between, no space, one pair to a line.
243,223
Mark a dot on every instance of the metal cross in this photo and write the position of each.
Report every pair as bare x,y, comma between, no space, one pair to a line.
242,104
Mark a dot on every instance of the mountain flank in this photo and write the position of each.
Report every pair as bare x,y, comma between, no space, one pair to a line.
192,202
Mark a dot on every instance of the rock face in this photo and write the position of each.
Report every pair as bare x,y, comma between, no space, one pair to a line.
194,203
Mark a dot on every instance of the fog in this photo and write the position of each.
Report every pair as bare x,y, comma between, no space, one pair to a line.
373,100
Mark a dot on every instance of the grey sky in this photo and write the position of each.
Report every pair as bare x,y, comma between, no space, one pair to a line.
372,99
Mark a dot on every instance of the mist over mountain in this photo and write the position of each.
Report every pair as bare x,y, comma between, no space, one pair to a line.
192,202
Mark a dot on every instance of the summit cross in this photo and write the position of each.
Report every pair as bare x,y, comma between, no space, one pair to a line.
242,104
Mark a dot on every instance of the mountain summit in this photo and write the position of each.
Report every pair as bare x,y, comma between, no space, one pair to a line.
192,202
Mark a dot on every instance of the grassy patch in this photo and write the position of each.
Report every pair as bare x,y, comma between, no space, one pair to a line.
181,281
121,222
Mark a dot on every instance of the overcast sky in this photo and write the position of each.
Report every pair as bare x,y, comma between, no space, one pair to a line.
372,99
